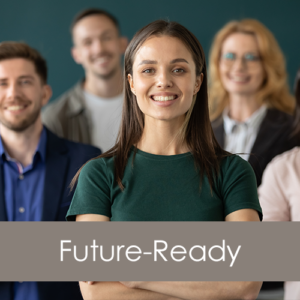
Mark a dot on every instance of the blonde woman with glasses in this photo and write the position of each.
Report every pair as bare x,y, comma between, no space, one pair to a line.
250,103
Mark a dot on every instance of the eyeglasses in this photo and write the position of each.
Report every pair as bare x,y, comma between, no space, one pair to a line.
249,59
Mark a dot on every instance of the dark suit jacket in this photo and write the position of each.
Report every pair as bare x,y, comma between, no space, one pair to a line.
274,137
63,159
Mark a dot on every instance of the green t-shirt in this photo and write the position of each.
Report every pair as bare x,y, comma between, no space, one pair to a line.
163,188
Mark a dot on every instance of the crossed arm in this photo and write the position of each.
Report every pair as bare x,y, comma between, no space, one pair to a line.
161,290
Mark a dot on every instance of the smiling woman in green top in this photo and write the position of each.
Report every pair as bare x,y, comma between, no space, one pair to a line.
166,164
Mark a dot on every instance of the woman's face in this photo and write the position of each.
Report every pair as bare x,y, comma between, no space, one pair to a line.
241,68
164,78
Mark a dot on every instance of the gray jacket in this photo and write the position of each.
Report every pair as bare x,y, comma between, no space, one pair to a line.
67,116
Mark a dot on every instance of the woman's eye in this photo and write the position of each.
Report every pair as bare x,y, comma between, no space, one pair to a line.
148,71
229,56
251,57
178,71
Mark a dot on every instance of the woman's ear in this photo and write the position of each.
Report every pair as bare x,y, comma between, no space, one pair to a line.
130,80
199,80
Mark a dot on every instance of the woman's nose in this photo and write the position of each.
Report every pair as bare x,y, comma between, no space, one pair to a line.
239,64
164,80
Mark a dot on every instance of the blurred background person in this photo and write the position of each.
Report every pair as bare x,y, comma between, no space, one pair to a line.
90,112
250,104
279,192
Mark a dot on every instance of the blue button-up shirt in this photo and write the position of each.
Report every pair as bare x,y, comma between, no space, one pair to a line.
23,193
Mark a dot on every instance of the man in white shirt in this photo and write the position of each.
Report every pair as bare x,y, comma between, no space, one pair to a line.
90,112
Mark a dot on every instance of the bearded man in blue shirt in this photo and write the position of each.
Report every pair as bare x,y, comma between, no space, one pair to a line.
36,166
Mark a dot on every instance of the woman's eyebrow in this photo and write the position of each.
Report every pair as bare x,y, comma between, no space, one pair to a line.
177,60
151,62
148,62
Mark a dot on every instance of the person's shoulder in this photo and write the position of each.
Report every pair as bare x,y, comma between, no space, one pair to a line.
233,166
286,160
280,130
276,115
94,164
234,161
98,166
80,147
283,169
62,101
73,149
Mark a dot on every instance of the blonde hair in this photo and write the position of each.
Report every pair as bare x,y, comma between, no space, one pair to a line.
274,92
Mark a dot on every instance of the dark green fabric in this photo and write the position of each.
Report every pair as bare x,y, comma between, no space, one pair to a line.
164,188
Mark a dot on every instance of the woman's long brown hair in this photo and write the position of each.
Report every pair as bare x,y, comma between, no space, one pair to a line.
198,133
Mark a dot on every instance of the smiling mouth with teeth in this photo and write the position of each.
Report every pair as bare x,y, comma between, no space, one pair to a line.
164,98
15,107
239,79
101,60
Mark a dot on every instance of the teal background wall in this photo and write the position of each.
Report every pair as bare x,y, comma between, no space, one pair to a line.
44,24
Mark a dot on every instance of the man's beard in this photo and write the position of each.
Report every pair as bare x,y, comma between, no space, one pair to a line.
108,75
111,73
21,125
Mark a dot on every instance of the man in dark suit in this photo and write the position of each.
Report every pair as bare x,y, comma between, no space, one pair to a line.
36,166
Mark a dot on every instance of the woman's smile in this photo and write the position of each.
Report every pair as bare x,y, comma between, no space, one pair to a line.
239,78
164,99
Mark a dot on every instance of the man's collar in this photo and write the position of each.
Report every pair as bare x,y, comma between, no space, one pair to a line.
2,151
41,148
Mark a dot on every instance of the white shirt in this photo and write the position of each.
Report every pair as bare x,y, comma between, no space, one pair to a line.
240,136
105,118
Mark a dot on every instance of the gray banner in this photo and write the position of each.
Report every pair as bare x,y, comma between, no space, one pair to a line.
149,251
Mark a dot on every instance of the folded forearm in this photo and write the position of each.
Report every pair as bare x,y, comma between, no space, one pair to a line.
204,290
117,291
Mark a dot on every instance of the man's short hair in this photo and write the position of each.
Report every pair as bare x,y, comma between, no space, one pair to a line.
91,12
10,50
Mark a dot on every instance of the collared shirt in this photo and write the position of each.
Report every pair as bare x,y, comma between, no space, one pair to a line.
240,136
23,193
